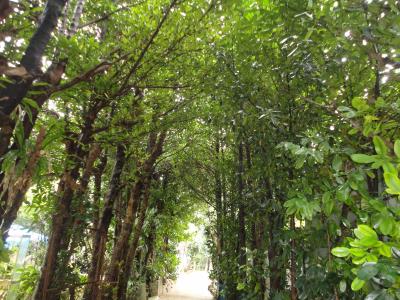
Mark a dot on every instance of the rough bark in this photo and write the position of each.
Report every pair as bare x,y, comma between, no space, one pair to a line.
52,77
76,17
5,9
76,223
13,93
133,245
7,126
119,252
59,227
100,239
76,150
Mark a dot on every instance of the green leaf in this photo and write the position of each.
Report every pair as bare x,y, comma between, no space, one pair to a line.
299,162
380,146
357,284
359,104
369,242
309,33
357,252
388,167
359,260
397,148
347,112
371,258
343,193
19,134
340,251
362,158
353,131
240,286
364,231
328,203
385,250
291,210
337,163
386,224
367,271
377,164
393,183
31,103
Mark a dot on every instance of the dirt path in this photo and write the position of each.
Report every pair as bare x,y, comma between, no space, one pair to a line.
190,286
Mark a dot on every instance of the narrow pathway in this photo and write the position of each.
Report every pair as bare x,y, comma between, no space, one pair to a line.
190,286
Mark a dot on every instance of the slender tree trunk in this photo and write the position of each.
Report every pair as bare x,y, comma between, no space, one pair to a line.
59,227
76,223
241,215
100,240
62,218
76,17
149,254
219,209
241,233
293,262
121,246
276,270
119,208
128,262
98,183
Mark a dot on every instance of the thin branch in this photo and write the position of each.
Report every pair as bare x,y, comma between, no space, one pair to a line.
149,43
107,16
83,77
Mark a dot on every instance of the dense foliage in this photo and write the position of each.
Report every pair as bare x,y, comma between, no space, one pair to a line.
276,119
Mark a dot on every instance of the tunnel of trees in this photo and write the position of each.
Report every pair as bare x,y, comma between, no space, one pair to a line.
275,123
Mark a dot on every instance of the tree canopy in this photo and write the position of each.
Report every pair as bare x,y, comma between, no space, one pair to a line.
274,124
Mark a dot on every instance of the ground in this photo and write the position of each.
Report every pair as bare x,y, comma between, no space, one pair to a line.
190,286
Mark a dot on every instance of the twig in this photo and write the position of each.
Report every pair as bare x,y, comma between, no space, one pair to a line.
107,16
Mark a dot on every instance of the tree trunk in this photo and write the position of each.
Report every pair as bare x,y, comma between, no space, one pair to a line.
98,183
143,179
128,261
276,270
76,223
76,17
241,215
241,233
62,221
13,93
219,208
59,228
100,240
293,262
